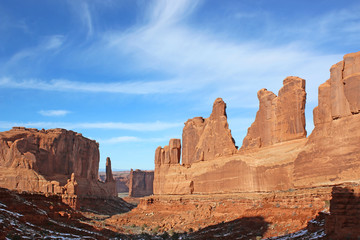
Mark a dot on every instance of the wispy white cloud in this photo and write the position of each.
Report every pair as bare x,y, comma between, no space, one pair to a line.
130,87
214,63
120,139
123,139
150,126
54,113
53,42
48,44
82,12
86,18
194,59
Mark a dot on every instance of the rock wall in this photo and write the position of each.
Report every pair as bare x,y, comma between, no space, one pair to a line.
50,161
280,118
218,169
276,155
141,183
332,151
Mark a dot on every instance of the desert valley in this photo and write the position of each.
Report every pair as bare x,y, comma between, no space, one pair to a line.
279,184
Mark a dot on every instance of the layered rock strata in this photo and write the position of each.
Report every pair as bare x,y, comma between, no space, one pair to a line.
221,170
276,155
332,152
280,118
141,183
283,212
54,161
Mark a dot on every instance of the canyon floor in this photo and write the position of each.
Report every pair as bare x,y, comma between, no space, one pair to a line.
292,214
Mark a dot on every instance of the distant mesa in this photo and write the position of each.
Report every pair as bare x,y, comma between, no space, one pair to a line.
141,183
54,161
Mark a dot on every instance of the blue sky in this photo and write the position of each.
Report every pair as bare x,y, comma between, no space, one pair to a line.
129,73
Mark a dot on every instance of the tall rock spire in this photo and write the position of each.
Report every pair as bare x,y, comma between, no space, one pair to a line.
109,175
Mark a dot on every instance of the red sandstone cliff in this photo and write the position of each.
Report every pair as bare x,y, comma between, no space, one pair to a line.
214,166
141,183
332,152
206,139
276,155
51,161
280,118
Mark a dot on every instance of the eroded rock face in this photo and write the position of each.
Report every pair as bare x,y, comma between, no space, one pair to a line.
280,118
206,139
44,161
329,156
141,183
170,154
332,151
339,96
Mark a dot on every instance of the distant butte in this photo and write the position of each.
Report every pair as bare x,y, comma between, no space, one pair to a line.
54,161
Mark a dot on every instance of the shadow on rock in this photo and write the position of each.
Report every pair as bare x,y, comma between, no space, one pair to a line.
242,228
108,206
344,219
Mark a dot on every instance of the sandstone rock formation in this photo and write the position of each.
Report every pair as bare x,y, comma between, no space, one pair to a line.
44,161
169,154
280,118
210,165
141,183
109,175
203,140
166,160
276,155
332,151
206,139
